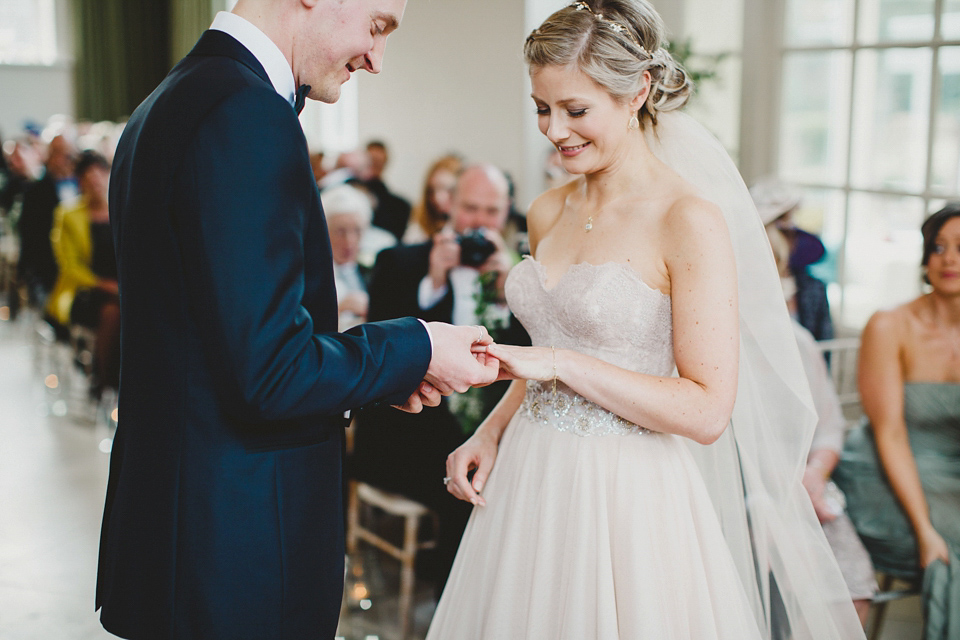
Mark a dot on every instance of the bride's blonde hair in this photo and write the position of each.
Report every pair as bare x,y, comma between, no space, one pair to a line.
613,42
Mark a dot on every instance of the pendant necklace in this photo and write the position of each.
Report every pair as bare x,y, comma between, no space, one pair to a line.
587,227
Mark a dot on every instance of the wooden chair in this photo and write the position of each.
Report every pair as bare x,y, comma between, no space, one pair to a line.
361,493
841,355
886,595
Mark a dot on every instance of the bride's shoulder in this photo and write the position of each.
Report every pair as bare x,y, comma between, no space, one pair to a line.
690,215
546,209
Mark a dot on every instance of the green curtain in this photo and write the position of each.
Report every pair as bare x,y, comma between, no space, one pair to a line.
124,48
188,19
122,52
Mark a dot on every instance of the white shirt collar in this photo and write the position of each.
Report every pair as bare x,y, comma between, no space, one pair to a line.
263,49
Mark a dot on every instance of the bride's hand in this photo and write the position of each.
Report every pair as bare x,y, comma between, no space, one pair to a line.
524,363
478,452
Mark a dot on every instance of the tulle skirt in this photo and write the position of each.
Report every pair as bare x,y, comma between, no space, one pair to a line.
593,537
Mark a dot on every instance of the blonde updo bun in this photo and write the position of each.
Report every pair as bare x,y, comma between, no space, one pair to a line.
613,58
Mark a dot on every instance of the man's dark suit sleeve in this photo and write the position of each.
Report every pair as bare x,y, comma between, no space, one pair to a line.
242,212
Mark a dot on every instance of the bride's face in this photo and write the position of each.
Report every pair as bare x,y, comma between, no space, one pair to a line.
584,122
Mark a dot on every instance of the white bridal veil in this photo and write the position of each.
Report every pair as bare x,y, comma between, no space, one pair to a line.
753,471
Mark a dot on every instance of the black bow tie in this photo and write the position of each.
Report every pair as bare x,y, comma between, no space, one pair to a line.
300,97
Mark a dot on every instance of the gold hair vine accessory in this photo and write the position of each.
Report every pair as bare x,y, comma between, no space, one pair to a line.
618,27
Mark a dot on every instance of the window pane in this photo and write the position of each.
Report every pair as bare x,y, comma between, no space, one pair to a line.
814,118
945,172
950,21
715,25
716,104
819,22
28,33
882,254
891,116
935,205
895,21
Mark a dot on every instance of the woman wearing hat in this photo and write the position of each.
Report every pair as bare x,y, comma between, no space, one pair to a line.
806,295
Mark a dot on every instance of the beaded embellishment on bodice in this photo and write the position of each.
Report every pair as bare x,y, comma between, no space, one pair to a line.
605,311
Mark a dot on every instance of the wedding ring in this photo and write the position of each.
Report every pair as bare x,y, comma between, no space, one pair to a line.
480,336
446,481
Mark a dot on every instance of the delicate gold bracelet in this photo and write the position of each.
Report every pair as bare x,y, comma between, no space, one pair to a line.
554,351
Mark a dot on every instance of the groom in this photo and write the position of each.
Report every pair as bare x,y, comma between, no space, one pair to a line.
223,516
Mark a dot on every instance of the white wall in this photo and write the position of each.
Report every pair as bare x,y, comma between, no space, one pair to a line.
453,80
33,93
36,92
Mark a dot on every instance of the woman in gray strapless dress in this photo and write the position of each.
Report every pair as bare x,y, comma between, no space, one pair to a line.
900,469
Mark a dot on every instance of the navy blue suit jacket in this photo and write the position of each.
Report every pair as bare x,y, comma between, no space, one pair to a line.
223,515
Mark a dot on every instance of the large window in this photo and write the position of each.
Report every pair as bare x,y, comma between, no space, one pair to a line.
714,29
870,127
28,32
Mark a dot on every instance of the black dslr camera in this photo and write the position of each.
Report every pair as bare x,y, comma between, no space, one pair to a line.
475,248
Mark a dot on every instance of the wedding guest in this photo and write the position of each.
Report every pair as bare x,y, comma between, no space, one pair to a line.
828,501
348,214
13,179
86,289
900,469
37,267
392,212
22,167
432,211
316,163
515,229
437,280
807,296
350,166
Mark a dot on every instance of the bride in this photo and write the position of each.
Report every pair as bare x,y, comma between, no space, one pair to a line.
649,451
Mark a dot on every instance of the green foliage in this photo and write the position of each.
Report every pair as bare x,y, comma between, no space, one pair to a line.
700,67
472,406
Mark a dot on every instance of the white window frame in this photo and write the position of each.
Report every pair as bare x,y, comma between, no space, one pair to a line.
764,56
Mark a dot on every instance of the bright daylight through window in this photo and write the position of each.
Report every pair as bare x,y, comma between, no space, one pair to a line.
28,33
870,127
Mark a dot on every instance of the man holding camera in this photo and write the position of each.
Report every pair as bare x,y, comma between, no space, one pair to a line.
457,277
439,279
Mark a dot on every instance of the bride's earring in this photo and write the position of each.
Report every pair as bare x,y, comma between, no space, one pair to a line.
634,123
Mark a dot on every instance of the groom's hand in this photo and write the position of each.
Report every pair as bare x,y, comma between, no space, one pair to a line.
459,358
425,396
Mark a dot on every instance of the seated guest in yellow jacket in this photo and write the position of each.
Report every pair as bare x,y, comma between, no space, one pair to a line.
86,289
